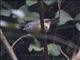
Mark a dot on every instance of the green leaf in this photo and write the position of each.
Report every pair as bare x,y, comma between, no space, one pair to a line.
36,42
4,12
77,17
24,8
28,15
64,17
77,26
30,2
49,2
32,16
35,48
53,49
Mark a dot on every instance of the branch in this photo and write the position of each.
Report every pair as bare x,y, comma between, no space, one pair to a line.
20,38
64,54
7,46
41,13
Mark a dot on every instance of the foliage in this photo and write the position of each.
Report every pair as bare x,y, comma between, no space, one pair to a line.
53,49
23,15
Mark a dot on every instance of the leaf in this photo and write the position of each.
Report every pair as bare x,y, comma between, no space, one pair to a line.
4,12
49,2
77,17
27,14
18,13
24,8
36,42
21,12
35,48
64,17
30,2
32,16
77,26
53,49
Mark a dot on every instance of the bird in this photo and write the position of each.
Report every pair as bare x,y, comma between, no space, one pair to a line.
34,27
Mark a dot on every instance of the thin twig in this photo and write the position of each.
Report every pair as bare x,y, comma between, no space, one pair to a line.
7,46
64,54
20,38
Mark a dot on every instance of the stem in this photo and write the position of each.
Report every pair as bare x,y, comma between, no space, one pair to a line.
41,12
7,46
